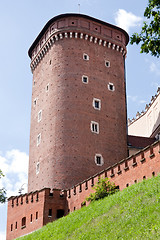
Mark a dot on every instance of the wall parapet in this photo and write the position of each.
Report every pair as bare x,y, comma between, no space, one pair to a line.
147,107
144,164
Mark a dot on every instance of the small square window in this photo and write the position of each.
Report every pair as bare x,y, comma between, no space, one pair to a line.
84,79
97,103
35,102
95,127
37,168
99,160
38,139
107,63
111,87
39,115
85,57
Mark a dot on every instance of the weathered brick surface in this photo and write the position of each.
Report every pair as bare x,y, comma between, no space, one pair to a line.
42,202
144,164
68,147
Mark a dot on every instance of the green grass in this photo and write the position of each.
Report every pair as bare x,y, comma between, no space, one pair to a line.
133,213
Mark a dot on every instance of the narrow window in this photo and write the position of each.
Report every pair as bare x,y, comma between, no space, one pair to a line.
23,222
95,127
153,174
97,103
99,160
47,87
144,177
38,139
127,185
107,63
50,212
34,83
11,227
85,79
37,197
16,225
31,218
39,115
36,215
37,168
35,102
111,87
85,57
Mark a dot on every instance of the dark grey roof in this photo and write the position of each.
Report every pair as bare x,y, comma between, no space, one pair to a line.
72,15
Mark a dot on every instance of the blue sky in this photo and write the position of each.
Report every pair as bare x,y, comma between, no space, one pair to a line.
20,23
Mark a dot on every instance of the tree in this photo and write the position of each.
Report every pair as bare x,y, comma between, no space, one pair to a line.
2,191
150,33
103,188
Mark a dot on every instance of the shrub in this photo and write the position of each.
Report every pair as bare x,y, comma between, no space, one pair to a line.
102,188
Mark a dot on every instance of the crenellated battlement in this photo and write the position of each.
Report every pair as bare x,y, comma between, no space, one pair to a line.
147,108
144,164
68,26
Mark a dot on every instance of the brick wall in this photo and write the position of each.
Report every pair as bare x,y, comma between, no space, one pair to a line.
29,212
144,164
67,144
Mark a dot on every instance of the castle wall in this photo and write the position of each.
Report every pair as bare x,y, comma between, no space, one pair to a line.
68,147
147,124
144,164
29,212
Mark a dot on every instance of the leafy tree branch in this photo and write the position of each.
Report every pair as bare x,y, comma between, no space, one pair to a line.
149,37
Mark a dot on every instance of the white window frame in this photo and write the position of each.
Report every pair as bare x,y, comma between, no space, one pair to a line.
85,57
38,139
39,115
96,100
93,123
84,76
37,167
107,63
111,84
102,160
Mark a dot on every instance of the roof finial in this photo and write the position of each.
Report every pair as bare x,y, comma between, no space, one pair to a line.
79,7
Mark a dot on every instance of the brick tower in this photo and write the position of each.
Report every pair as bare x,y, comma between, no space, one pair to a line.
78,116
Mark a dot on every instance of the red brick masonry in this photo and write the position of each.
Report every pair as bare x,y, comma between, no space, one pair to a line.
46,206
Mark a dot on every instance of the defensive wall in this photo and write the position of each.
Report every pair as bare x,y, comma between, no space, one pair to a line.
30,212
142,165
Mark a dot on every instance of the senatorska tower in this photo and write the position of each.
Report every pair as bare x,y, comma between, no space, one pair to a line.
78,117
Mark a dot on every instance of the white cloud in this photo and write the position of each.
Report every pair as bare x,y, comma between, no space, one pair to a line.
2,235
15,167
126,20
132,98
155,68
135,99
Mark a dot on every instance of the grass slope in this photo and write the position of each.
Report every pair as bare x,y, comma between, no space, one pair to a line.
133,213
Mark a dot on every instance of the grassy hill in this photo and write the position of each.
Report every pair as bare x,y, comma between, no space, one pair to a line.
133,213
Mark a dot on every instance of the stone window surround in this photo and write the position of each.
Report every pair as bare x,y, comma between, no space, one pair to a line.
101,158
95,127
98,100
